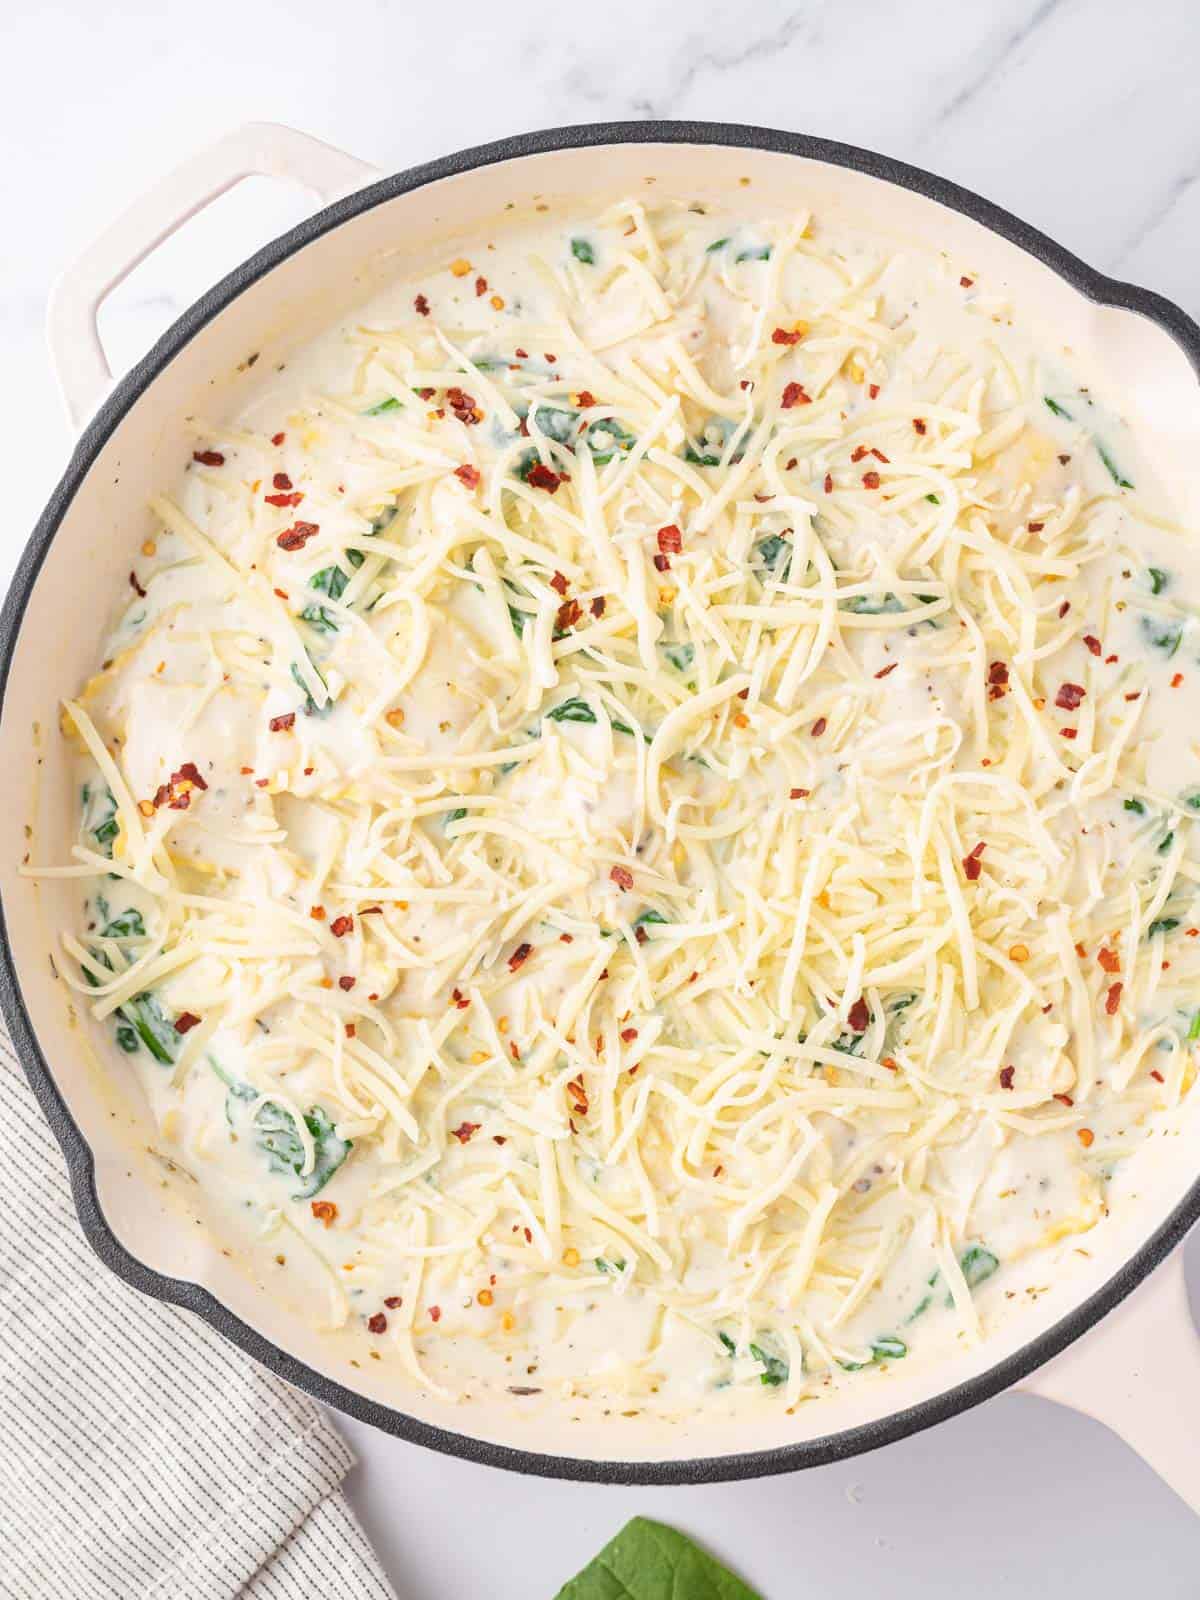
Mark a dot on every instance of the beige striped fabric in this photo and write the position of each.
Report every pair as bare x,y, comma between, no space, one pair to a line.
141,1455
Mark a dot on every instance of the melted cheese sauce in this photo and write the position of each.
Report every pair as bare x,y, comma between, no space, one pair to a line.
642,824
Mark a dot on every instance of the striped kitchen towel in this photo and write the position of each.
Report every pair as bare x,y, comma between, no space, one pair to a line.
141,1455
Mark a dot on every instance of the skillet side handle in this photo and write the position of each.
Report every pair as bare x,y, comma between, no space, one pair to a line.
264,149
1139,1374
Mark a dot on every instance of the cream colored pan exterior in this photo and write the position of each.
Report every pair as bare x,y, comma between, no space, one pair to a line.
1139,1371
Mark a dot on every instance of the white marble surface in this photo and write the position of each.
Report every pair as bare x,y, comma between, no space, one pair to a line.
1080,115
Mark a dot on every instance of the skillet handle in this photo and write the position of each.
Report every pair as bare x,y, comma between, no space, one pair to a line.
266,149
1139,1374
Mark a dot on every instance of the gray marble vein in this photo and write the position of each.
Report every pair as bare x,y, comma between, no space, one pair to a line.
1002,56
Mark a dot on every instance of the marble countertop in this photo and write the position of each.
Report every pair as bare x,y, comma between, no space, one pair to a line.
1079,115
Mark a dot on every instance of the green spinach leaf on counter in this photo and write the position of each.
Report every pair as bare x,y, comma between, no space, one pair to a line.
649,1561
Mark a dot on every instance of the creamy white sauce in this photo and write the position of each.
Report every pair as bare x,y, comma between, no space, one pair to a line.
824,1109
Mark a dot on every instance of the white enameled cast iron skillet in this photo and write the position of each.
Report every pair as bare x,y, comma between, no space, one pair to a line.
1140,1372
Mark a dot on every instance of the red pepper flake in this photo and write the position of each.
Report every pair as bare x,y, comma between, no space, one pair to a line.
628,1035
879,456
972,866
670,540
1070,696
818,727
186,1021
346,984
1155,1073
465,1130
622,877
1064,608
278,438
481,287
558,583
829,483
208,458
280,594
421,306
283,723
188,773
998,673
463,405
1069,733
1064,1099
341,926
281,481
1109,960
351,1031
966,283
661,563
1092,643
435,1313
325,1211
521,354
859,452
1006,1077
1112,1000
873,391
794,395
423,394
859,1016
586,399
519,956
137,588
597,606
1135,695
786,336
460,999
870,480
578,1095
791,462
292,499
297,536
1177,680
394,1301
799,794
568,615
919,424
891,667
261,783
377,1323
468,474
543,477
317,913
